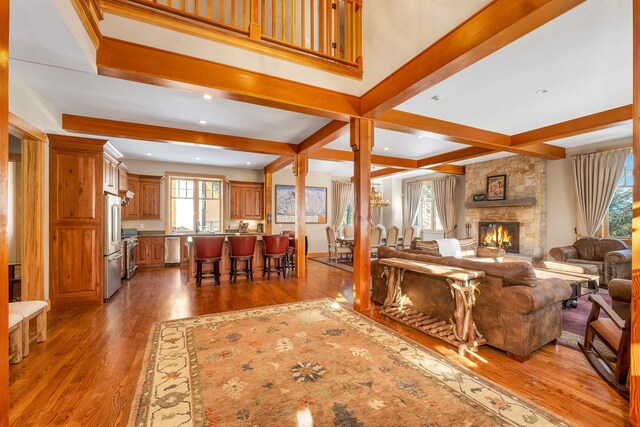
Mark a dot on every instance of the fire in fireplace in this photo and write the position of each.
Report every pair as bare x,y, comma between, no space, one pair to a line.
505,235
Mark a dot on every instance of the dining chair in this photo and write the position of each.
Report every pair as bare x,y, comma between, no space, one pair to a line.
392,236
407,237
376,239
333,245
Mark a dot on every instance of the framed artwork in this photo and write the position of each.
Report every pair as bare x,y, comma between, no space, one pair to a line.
315,204
497,187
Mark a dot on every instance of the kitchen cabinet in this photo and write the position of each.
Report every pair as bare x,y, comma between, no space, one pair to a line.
150,251
132,210
122,179
149,187
184,250
246,200
110,174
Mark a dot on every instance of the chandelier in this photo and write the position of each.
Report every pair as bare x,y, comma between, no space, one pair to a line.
376,200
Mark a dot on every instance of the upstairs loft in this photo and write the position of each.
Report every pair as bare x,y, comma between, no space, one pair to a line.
325,34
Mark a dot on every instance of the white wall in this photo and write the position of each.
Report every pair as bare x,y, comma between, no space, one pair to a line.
561,202
144,167
316,233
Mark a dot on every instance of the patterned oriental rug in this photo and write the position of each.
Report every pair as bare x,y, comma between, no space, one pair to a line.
310,363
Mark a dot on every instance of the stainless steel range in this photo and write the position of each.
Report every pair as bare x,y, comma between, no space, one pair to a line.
130,240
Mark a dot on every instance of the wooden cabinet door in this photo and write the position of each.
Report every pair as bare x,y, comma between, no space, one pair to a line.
150,200
142,254
258,202
236,199
247,203
157,250
132,211
184,250
122,180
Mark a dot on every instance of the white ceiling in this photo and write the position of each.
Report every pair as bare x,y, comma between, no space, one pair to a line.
189,153
583,58
399,144
609,134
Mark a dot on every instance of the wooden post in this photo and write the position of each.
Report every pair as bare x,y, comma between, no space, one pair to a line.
32,253
361,144
254,25
300,167
268,202
634,406
4,249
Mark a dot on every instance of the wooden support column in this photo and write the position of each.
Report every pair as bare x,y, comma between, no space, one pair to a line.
634,406
268,202
361,144
300,168
32,253
4,249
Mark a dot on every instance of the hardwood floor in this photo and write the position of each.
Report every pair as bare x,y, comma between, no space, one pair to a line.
86,372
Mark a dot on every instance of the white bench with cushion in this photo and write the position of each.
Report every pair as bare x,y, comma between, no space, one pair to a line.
29,310
15,338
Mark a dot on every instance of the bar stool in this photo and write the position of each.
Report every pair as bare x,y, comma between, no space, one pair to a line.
291,250
275,247
242,248
208,249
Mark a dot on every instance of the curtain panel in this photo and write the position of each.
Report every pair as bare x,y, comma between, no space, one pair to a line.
413,194
341,195
595,178
444,196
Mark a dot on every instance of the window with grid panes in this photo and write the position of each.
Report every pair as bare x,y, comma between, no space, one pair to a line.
195,204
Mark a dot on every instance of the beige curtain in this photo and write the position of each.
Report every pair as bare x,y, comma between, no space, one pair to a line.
596,177
376,214
412,198
341,195
444,196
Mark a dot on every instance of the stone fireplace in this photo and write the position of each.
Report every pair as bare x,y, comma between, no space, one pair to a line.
505,235
525,204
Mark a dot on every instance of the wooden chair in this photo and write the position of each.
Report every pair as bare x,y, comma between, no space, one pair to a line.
407,237
29,310
208,249
348,230
376,239
392,236
616,335
333,245
15,338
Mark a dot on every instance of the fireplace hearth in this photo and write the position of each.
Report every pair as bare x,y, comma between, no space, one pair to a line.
497,234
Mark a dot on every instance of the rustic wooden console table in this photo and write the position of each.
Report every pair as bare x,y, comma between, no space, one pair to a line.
460,331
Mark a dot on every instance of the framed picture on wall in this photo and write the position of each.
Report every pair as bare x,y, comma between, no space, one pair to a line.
315,204
497,187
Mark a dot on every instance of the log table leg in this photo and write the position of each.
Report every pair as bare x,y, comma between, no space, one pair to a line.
465,331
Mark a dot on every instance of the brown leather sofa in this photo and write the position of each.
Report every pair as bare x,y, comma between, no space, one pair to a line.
611,256
469,248
620,292
514,311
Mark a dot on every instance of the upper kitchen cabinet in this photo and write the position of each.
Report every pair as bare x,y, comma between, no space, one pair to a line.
110,174
132,209
122,178
149,187
246,199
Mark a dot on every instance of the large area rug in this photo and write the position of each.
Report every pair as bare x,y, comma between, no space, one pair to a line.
310,363
343,264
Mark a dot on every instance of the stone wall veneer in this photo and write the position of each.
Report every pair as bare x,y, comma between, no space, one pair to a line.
526,177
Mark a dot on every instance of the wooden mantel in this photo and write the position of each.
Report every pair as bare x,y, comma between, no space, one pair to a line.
527,201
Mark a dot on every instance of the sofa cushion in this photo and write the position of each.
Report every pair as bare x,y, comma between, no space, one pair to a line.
412,254
14,319
599,264
595,249
513,273
26,308
525,300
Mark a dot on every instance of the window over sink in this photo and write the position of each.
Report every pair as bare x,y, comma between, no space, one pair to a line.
194,203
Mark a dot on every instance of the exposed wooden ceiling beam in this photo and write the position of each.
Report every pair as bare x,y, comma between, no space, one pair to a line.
401,121
278,164
119,129
492,28
591,123
144,64
380,173
326,135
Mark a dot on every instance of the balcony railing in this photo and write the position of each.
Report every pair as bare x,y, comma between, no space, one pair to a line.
329,29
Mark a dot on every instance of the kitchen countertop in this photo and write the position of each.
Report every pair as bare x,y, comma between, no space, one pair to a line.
165,234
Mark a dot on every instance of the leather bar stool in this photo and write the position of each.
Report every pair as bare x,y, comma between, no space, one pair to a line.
208,249
242,248
291,250
275,248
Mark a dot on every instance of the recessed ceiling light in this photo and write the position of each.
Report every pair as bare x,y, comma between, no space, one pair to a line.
206,96
148,154
248,163
541,91
437,97
422,136
197,158
203,122
386,148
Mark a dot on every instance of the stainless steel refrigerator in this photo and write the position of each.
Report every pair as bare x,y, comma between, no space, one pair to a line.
112,245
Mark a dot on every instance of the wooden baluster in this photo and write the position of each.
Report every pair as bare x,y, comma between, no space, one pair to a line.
274,31
321,25
336,28
169,3
244,14
233,13
303,35
254,26
183,5
284,20
263,16
312,11
328,21
347,29
209,9
196,10
222,11
293,21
